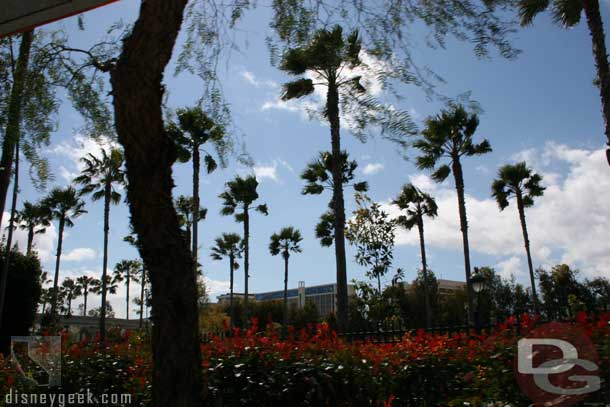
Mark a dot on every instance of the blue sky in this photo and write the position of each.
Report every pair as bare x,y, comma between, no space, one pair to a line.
541,107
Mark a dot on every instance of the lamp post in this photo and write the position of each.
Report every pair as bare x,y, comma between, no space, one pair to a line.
478,282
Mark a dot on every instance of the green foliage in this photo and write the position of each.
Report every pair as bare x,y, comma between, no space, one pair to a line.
102,173
372,231
416,204
22,296
64,203
240,194
519,181
564,12
228,245
286,241
184,206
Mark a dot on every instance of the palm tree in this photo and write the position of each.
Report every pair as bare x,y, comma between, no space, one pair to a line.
326,56
286,241
567,13
237,200
418,204
126,270
194,129
86,285
64,205
132,239
520,182
34,218
229,245
109,286
99,178
72,291
449,136
184,207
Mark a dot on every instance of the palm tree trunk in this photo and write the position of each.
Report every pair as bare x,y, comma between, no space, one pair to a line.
60,238
379,283
596,29
424,265
149,155
285,316
30,240
9,240
69,305
127,299
12,133
459,185
526,241
107,191
196,169
231,307
332,108
86,292
246,262
143,283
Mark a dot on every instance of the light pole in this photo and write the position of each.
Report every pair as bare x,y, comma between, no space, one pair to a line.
478,282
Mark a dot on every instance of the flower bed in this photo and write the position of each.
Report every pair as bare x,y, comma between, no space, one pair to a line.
320,369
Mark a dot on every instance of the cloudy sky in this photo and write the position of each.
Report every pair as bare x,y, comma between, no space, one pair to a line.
541,108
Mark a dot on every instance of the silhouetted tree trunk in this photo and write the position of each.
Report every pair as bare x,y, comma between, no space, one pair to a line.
598,39
246,262
149,156
459,186
285,316
526,241
85,294
107,191
60,239
143,283
196,169
231,307
332,110
13,128
424,264
127,299
30,240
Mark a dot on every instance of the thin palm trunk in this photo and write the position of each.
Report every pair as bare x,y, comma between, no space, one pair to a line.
459,185
107,191
424,264
332,108
12,133
60,238
85,293
127,299
196,169
596,29
285,316
246,262
143,283
30,239
231,308
69,305
9,240
526,242
149,156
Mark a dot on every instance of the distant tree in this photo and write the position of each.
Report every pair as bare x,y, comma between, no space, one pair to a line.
97,312
417,204
561,291
238,200
423,290
567,14
99,178
286,241
71,291
86,285
127,271
34,218
230,246
519,181
318,175
600,291
194,129
372,231
64,205
449,136
185,208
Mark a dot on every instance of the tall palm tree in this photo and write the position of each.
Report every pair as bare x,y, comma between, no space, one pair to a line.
64,205
109,286
188,216
86,285
132,239
448,136
237,200
520,182
127,271
194,129
72,291
34,218
418,204
229,245
99,178
567,13
326,57
286,241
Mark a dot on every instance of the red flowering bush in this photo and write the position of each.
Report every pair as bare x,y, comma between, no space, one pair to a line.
314,367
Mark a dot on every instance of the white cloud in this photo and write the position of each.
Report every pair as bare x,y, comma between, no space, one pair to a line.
569,223
44,243
215,287
266,171
77,147
372,168
251,79
79,254
510,267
